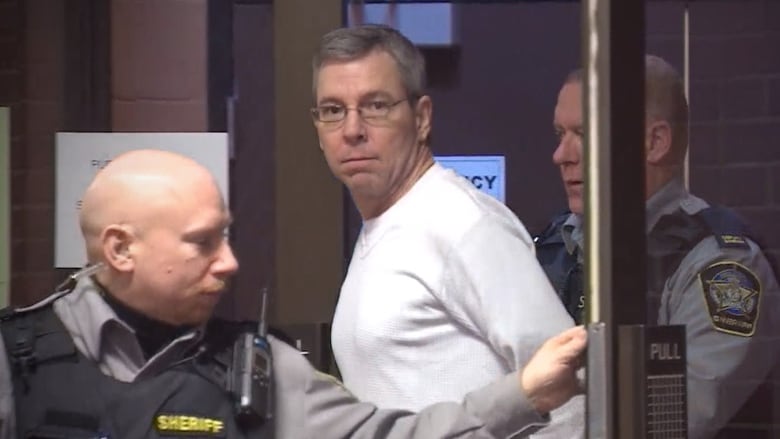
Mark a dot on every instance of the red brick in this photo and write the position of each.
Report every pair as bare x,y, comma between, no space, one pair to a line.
44,81
32,187
43,117
10,18
10,86
163,116
35,222
726,17
37,153
44,28
744,98
32,255
159,49
28,288
745,186
704,101
750,142
18,119
10,52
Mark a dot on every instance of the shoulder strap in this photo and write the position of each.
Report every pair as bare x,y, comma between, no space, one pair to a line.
33,338
731,230
726,226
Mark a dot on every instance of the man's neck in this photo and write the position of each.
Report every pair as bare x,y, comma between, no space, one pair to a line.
152,334
370,208
658,177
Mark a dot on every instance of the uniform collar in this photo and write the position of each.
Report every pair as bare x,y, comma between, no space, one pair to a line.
669,199
93,324
572,234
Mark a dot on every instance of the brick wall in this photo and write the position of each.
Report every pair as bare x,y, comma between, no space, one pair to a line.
36,28
12,67
735,156
158,84
12,78
735,110
158,65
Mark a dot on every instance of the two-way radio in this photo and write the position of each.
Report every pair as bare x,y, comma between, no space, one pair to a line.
250,380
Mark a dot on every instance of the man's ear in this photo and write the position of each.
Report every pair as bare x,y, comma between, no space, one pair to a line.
117,241
658,142
423,113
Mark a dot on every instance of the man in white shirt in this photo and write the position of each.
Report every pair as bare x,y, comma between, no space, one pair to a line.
443,292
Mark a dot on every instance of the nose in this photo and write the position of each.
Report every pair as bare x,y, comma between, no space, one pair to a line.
226,263
354,129
566,151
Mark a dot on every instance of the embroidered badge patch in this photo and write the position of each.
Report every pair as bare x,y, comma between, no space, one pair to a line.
732,294
188,425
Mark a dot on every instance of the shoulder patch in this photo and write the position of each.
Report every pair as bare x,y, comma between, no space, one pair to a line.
732,293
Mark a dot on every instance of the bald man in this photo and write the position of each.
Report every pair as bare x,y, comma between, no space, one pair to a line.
704,270
131,349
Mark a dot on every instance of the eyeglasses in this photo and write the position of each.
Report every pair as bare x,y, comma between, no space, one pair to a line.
368,111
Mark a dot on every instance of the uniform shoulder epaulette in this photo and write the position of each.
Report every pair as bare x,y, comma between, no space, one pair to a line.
552,227
729,230
8,313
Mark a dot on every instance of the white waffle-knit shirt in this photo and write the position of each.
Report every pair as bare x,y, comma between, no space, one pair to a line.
443,295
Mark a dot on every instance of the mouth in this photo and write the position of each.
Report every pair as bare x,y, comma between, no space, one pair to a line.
356,160
215,289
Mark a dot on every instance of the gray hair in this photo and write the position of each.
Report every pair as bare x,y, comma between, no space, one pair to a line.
346,44
664,99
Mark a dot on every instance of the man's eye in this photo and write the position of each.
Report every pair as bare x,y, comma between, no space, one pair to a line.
209,243
331,109
205,243
559,134
377,105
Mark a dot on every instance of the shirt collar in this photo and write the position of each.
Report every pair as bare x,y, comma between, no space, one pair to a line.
88,318
572,233
671,197
668,199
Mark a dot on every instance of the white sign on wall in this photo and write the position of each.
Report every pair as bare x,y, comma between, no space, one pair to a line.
80,155
486,172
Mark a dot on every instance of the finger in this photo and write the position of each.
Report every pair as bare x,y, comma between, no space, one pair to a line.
576,332
576,342
571,354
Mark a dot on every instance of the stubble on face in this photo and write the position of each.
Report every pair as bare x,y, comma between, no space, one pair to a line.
374,160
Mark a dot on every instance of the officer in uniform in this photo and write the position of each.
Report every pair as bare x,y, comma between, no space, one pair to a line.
129,348
704,270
